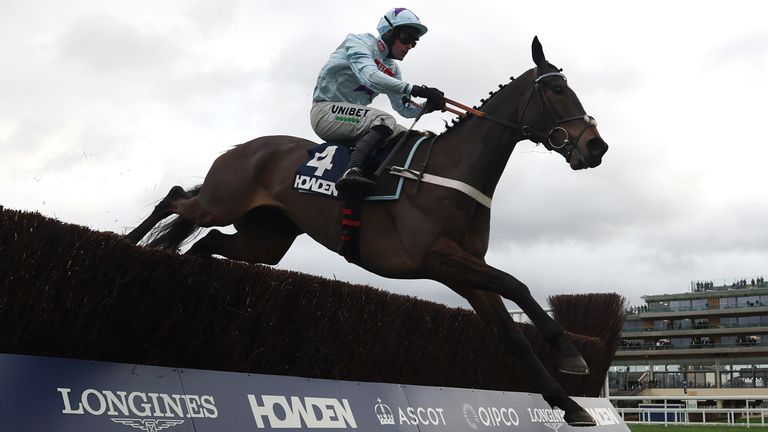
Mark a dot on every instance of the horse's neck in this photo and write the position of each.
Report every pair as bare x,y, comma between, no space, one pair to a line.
483,147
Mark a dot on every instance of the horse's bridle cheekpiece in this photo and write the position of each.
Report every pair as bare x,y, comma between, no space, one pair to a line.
546,107
537,136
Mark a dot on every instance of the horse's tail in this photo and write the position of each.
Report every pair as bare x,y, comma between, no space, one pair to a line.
170,235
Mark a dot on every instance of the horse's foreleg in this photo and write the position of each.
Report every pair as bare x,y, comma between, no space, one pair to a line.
492,311
160,212
482,276
451,265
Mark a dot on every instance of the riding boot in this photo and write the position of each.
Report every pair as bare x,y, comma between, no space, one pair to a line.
353,181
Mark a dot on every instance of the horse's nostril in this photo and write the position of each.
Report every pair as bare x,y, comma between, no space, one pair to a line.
597,147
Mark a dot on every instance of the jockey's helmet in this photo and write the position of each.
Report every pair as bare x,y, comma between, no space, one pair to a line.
400,17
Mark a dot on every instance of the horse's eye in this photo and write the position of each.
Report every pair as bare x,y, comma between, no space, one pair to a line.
558,89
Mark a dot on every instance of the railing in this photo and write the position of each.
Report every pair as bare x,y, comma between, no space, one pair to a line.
691,346
743,416
652,309
694,327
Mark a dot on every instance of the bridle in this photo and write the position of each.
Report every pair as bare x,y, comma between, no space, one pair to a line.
547,108
538,136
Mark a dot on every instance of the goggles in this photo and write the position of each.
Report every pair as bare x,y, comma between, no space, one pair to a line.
407,38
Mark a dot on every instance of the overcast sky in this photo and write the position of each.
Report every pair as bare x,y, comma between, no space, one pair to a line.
106,105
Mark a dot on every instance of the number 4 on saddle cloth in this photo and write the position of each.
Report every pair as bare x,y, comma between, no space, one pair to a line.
326,164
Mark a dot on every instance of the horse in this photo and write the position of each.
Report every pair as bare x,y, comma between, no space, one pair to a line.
431,232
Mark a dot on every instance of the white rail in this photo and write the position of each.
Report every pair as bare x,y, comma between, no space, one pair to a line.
753,415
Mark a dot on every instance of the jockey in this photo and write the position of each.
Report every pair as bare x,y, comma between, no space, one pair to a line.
361,68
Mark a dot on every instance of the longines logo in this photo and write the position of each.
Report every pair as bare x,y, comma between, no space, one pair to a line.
150,412
149,425
489,416
552,418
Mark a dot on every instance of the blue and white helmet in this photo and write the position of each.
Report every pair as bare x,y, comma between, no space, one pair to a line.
400,17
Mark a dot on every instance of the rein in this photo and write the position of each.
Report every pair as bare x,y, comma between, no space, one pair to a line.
537,136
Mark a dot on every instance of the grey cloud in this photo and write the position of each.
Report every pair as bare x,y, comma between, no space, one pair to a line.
109,45
546,202
207,16
111,83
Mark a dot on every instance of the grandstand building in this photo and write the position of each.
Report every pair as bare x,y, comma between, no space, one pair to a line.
711,341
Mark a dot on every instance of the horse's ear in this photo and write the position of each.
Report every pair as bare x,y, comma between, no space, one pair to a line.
538,52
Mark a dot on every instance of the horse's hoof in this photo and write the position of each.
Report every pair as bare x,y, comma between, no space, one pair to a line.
579,418
574,365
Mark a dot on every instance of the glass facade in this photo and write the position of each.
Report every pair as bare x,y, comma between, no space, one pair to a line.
744,301
723,344
744,321
675,376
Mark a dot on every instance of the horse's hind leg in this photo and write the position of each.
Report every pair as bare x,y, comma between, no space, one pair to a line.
263,236
161,211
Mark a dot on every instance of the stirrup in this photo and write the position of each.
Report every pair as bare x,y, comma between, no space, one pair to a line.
352,172
353,181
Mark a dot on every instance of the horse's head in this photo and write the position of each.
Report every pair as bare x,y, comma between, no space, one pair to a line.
556,117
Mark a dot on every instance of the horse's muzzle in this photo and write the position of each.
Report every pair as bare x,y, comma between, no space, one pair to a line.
589,154
596,148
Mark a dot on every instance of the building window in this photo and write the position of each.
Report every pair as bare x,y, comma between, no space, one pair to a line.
683,324
699,304
741,340
681,343
749,321
701,323
680,305
701,342
748,301
633,326
631,344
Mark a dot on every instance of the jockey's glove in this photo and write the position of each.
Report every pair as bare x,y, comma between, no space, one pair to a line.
435,98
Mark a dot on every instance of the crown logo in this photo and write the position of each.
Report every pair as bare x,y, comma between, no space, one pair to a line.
384,414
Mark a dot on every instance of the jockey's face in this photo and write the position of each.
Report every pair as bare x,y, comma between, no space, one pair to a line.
403,43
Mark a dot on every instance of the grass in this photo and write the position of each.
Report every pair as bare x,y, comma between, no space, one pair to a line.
698,428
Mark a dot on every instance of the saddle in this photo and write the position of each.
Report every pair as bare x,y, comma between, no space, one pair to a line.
327,161
326,164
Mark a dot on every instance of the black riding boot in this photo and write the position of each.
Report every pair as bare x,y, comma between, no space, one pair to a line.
353,180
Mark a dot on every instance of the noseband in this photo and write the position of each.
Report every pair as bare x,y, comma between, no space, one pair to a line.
541,137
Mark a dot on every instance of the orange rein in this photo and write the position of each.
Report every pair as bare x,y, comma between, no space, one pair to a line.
466,109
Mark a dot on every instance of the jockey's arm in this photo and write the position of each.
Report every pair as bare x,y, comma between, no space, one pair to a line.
406,110
363,65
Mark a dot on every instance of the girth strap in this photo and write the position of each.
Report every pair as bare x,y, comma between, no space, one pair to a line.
442,181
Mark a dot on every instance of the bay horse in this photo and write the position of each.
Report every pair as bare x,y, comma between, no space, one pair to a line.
431,232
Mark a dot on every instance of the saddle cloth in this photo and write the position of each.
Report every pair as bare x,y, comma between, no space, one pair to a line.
327,161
